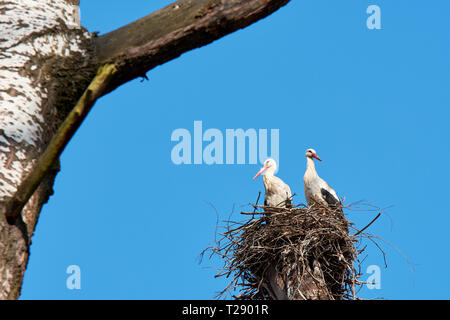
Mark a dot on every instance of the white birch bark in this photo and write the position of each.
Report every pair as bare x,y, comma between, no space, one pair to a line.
34,36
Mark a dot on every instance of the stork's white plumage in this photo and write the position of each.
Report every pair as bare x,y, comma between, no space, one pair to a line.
316,189
278,193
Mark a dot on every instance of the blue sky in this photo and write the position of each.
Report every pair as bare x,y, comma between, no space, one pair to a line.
373,103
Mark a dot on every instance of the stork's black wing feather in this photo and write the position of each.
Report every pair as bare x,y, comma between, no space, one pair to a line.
328,197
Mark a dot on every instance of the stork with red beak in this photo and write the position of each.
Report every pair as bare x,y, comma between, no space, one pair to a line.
278,193
316,189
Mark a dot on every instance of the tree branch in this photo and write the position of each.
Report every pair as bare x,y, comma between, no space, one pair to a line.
56,146
167,33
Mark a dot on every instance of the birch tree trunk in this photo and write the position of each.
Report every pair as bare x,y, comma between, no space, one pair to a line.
47,60
44,67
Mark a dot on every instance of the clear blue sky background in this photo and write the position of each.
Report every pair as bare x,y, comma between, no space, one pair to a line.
373,103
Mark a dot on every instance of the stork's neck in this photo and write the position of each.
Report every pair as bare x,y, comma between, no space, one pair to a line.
270,172
268,175
311,172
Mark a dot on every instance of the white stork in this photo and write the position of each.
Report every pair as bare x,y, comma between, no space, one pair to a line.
278,193
316,189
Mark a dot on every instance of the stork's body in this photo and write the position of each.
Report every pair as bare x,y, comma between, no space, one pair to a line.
317,191
277,192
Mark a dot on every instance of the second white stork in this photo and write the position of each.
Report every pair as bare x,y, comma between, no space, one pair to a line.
278,193
316,189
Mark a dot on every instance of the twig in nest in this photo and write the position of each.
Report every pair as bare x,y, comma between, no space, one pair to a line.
378,215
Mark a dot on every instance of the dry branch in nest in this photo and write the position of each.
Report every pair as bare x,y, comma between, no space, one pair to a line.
289,253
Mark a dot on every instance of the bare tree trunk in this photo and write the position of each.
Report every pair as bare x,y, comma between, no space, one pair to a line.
47,60
309,286
42,47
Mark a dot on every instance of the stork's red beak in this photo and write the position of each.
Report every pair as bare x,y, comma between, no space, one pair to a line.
259,172
314,155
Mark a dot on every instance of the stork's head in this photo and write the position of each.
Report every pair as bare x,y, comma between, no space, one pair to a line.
268,164
311,153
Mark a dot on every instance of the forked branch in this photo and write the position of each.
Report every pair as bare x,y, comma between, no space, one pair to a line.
129,52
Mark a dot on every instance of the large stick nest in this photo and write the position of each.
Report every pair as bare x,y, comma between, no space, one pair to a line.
289,253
